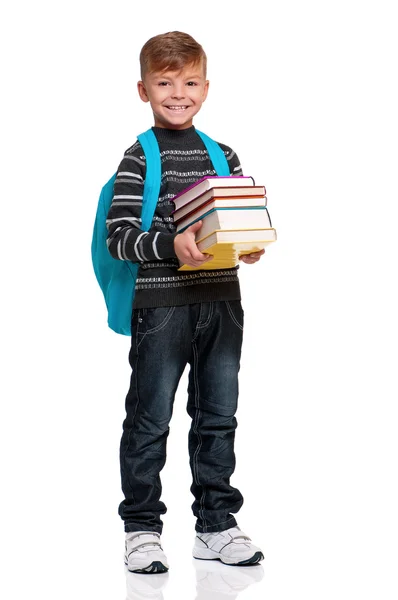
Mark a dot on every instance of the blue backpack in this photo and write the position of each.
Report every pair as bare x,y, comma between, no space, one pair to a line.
117,278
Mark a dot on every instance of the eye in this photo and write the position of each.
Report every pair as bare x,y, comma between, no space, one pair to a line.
163,83
192,83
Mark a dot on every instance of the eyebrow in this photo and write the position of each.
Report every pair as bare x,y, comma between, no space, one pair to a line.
187,77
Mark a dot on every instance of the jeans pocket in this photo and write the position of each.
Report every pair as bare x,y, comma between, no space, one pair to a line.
236,312
151,320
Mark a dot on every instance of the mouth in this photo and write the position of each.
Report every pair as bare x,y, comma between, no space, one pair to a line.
177,108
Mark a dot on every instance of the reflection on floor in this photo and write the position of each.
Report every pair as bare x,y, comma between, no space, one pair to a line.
144,586
214,581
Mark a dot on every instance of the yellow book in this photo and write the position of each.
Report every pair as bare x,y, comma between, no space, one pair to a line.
227,246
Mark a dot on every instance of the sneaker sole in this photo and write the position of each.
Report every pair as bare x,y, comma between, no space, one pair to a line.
253,560
155,567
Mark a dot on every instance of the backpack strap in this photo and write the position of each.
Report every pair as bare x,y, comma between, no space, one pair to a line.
150,147
153,174
217,156
119,294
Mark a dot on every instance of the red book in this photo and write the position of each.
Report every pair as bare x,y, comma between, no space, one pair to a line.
208,183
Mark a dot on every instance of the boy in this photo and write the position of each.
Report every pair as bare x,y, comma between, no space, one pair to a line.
178,318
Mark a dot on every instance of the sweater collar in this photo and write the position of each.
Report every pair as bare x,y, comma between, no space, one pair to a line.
179,136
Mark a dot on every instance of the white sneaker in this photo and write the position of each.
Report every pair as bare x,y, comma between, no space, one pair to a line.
143,553
232,547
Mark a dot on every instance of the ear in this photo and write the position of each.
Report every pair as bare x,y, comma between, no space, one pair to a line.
206,89
142,91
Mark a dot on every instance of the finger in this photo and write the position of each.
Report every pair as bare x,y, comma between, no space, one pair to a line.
198,263
197,255
195,227
208,258
195,264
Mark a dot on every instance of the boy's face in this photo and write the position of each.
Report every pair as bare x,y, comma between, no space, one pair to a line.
175,96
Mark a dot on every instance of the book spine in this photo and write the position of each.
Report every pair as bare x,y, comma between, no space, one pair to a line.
213,237
178,216
212,193
210,177
209,212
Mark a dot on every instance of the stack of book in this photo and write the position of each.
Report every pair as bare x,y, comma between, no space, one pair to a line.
234,215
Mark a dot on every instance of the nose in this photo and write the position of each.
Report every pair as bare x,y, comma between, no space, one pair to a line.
178,91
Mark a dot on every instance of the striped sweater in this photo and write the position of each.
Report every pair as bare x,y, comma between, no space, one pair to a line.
184,160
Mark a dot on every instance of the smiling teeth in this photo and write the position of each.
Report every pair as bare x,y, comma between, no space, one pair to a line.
177,107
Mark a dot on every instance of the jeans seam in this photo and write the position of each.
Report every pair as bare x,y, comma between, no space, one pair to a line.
135,412
195,428
164,322
209,316
141,340
217,524
198,325
159,327
231,314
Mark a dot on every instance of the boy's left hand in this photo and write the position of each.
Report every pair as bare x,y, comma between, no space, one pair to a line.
249,259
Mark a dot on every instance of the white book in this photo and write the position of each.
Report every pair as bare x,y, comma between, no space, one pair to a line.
228,218
237,236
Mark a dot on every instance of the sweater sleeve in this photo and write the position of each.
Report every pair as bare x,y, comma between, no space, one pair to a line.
233,160
126,240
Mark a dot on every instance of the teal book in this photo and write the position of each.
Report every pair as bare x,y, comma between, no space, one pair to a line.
250,217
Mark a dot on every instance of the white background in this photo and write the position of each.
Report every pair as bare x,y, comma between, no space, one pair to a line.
306,93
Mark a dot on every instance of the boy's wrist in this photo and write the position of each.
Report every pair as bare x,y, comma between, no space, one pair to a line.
166,245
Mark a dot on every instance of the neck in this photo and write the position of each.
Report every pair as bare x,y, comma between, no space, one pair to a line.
179,136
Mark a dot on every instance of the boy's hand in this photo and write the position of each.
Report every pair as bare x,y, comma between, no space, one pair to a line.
186,249
249,259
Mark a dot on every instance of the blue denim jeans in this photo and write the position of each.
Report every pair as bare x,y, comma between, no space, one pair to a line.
208,337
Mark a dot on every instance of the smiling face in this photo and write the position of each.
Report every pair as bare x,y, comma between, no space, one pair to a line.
175,96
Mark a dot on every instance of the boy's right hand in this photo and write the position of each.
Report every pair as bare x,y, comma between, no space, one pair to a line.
186,249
